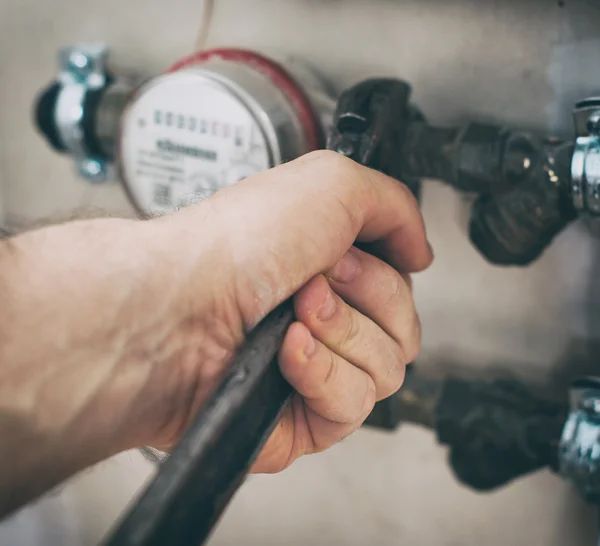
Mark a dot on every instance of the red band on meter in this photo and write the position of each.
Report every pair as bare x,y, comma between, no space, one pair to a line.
280,77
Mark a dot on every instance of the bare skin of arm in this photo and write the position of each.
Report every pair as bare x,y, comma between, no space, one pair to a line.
114,332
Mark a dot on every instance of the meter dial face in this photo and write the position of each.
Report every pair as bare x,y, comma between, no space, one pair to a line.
184,137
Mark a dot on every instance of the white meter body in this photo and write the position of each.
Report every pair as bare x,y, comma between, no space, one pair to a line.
216,118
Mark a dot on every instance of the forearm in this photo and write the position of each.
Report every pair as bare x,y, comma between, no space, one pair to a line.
67,295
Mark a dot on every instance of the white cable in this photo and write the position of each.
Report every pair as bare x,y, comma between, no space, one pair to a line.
205,25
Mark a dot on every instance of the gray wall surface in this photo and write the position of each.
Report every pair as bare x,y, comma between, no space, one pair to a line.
520,62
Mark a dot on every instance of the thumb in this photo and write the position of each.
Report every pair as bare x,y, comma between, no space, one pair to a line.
286,225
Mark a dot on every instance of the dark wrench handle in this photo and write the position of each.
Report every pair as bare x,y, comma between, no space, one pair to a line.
195,484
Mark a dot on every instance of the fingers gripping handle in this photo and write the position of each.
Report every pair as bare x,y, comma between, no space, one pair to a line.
195,484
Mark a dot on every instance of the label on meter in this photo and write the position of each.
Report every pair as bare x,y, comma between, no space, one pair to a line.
184,137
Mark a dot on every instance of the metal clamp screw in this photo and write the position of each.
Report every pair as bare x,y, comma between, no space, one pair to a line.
585,165
79,64
84,64
92,170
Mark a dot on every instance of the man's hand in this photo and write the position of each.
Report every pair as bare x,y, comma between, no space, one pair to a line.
113,333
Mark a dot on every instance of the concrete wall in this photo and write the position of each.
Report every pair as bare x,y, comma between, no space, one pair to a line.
521,62
2,183
1,201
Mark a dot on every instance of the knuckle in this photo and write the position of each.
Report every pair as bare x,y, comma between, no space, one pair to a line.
368,403
394,374
331,370
395,289
412,347
409,337
351,330
362,406
408,195
347,184
331,160
341,172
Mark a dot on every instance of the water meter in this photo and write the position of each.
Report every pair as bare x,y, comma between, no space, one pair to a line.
213,119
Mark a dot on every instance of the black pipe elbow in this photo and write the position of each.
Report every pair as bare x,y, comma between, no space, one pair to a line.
515,227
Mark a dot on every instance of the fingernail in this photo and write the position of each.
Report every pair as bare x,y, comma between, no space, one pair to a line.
346,269
326,310
310,346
